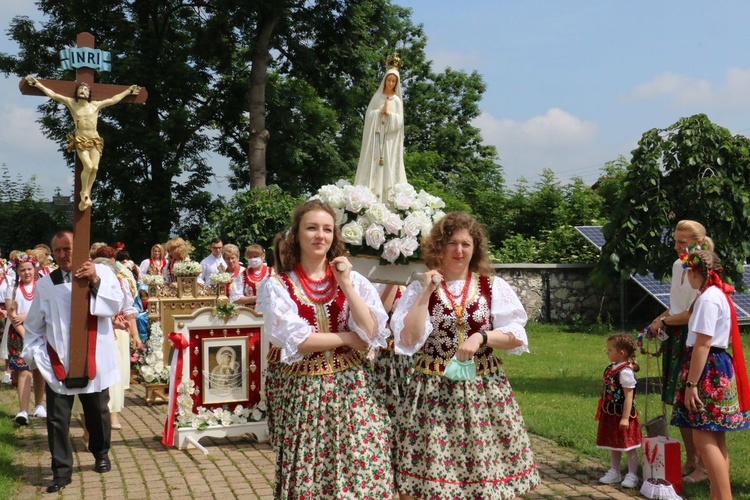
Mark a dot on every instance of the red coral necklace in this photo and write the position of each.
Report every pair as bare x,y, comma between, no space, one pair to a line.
28,296
321,295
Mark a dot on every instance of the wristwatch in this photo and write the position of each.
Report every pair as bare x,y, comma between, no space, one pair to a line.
690,385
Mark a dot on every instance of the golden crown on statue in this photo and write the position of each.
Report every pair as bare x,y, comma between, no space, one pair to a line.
392,61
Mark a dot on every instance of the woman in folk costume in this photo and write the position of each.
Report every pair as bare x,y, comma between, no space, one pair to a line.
332,436
713,394
245,290
688,234
275,386
461,433
155,264
6,377
18,300
381,159
231,255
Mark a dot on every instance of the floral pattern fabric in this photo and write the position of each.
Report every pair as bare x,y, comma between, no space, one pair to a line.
717,390
15,347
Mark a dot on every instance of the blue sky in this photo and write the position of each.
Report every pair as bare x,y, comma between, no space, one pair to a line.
570,84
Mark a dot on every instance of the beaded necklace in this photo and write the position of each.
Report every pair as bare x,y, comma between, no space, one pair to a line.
458,309
324,294
251,277
156,268
27,295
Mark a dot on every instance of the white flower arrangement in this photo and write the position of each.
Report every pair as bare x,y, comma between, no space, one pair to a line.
153,280
150,359
390,230
205,418
187,268
221,278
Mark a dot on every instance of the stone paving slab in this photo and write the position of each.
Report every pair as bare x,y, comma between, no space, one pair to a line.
238,467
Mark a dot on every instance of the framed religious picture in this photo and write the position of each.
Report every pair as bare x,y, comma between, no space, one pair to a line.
225,370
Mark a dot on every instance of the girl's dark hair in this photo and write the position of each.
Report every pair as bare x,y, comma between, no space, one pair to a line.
625,342
441,233
122,255
292,252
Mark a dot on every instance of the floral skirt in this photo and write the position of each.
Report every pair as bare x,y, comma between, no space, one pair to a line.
671,364
274,394
463,439
717,390
15,348
392,373
332,438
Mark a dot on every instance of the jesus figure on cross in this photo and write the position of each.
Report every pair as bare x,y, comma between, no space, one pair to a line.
86,141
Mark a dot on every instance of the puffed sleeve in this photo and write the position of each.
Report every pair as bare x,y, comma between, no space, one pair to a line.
283,325
108,299
237,288
397,320
369,294
508,314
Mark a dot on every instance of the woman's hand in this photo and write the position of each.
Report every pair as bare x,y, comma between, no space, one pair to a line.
429,282
624,423
469,347
342,270
692,400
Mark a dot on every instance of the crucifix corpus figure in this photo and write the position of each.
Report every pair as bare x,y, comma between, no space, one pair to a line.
86,141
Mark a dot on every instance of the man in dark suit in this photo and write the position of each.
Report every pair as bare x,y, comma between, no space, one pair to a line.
47,345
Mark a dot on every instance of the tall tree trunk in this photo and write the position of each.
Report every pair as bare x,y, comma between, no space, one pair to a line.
261,57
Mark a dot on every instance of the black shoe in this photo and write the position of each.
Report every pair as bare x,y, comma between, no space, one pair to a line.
58,484
103,466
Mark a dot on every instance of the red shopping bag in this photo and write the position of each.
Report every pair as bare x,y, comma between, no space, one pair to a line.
662,460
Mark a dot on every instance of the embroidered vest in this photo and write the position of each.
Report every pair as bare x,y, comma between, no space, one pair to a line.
612,396
328,317
442,344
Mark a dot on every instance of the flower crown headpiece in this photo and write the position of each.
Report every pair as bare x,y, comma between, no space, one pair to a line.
22,257
684,256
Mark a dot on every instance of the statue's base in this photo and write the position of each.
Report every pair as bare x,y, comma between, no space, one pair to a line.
389,274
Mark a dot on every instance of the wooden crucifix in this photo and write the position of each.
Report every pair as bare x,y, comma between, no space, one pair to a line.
84,99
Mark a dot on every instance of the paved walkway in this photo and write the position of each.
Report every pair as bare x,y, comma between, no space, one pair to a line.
143,468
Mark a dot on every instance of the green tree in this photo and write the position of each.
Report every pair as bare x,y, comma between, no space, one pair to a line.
693,169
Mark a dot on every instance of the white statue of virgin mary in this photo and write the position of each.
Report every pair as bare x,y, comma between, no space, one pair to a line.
381,159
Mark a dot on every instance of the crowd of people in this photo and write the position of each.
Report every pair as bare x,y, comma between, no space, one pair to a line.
392,389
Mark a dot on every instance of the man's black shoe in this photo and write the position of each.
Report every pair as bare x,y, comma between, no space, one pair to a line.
103,466
58,484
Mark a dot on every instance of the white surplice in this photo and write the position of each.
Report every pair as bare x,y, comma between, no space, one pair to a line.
48,320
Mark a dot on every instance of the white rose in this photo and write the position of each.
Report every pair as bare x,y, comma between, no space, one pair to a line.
393,223
159,354
377,213
150,359
341,216
426,222
402,201
331,195
392,250
261,405
341,183
256,415
439,214
413,225
404,187
363,222
158,366
375,236
352,233
360,197
409,245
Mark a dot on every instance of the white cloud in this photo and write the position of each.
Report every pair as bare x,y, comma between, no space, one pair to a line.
684,92
556,140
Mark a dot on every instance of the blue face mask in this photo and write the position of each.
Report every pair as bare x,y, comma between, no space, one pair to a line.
254,262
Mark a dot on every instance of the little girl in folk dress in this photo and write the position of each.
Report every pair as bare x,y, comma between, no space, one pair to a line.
619,428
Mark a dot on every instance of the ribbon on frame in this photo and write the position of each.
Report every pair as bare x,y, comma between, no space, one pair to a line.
179,342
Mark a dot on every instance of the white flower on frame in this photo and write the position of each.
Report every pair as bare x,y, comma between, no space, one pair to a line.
375,236
409,245
352,233
391,250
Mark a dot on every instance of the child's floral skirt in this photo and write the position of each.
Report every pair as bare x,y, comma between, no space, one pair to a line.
331,437
463,440
718,392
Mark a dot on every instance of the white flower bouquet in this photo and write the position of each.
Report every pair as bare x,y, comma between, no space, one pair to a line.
153,280
205,417
390,230
221,278
150,359
187,268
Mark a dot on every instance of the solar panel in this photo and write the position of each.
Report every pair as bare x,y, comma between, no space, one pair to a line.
593,234
660,290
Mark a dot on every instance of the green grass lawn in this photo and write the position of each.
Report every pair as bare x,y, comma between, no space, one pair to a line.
557,387
8,442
